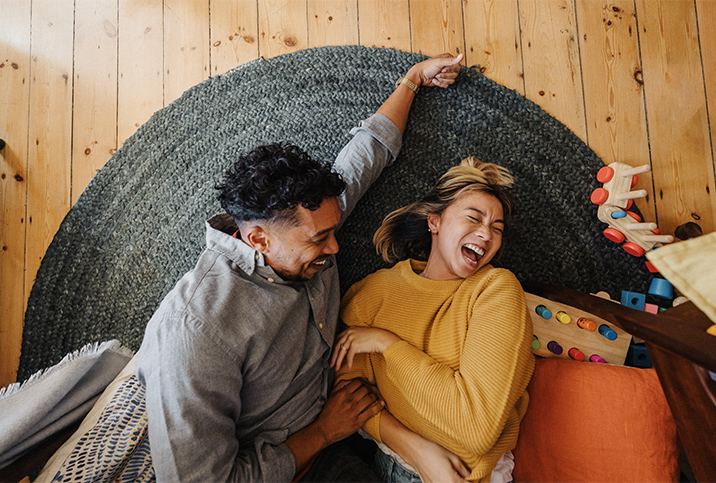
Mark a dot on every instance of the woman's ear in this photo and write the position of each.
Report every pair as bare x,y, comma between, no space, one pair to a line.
433,223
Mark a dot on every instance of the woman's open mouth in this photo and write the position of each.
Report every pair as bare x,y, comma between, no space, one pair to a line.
472,253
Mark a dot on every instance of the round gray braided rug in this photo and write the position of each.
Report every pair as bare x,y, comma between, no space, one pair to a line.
139,226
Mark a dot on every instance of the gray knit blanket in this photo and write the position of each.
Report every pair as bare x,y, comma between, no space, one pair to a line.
139,225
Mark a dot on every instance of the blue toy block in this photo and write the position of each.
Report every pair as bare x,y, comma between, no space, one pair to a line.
638,356
661,288
633,300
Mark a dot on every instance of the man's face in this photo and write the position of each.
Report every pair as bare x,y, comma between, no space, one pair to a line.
298,252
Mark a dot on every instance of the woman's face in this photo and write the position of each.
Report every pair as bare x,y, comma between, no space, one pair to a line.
466,236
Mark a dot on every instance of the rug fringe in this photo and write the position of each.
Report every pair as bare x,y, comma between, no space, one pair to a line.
88,349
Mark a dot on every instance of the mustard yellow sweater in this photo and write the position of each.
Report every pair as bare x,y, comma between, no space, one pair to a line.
460,373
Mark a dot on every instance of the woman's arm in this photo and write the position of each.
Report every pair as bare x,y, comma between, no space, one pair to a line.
471,404
432,461
360,340
441,71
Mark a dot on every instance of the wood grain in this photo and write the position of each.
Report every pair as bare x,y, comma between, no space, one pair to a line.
613,88
234,34
14,100
492,41
332,22
385,23
550,51
436,27
94,115
186,46
140,87
283,27
677,114
50,127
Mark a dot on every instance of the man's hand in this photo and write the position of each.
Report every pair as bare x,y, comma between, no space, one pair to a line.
441,71
438,71
350,404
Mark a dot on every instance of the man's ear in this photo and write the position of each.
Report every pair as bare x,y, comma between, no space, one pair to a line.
256,237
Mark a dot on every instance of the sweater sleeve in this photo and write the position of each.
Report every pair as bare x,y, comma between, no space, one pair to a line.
471,404
353,309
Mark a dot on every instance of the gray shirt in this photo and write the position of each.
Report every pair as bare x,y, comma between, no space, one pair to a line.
236,359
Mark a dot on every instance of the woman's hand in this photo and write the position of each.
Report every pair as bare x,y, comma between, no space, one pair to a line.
360,340
436,464
441,71
432,462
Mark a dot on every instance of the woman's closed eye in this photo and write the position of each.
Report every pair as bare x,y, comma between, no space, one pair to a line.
496,227
475,220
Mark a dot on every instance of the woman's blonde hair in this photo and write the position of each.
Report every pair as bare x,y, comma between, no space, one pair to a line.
404,232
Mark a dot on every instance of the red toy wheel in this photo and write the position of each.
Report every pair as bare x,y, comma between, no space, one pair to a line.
599,196
614,235
635,216
634,180
633,249
605,174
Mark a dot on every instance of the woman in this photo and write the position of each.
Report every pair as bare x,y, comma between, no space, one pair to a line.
446,342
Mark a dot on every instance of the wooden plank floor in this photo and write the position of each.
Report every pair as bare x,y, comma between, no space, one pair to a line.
635,79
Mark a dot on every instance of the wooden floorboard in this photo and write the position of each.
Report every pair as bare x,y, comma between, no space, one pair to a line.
635,79
613,88
15,23
677,115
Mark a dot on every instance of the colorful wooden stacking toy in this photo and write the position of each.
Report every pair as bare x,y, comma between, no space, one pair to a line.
572,333
614,199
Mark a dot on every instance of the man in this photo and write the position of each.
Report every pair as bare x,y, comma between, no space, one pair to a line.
236,359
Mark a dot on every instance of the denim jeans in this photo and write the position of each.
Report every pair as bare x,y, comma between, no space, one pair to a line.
390,471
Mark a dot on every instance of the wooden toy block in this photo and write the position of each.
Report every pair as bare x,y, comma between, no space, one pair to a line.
633,300
586,333
661,288
639,356
651,308
650,266
614,199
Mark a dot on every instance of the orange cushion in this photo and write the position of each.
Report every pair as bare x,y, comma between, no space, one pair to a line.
596,422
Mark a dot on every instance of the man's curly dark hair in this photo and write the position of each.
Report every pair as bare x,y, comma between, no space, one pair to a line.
270,181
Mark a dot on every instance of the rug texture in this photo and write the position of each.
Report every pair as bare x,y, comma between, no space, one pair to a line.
139,225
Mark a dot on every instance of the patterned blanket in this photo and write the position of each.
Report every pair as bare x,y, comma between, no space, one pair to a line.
117,447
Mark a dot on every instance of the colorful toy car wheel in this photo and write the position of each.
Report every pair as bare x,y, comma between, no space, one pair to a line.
633,249
599,196
614,235
605,174
635,216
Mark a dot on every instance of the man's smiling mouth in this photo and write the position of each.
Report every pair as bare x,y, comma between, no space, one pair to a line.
320,263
